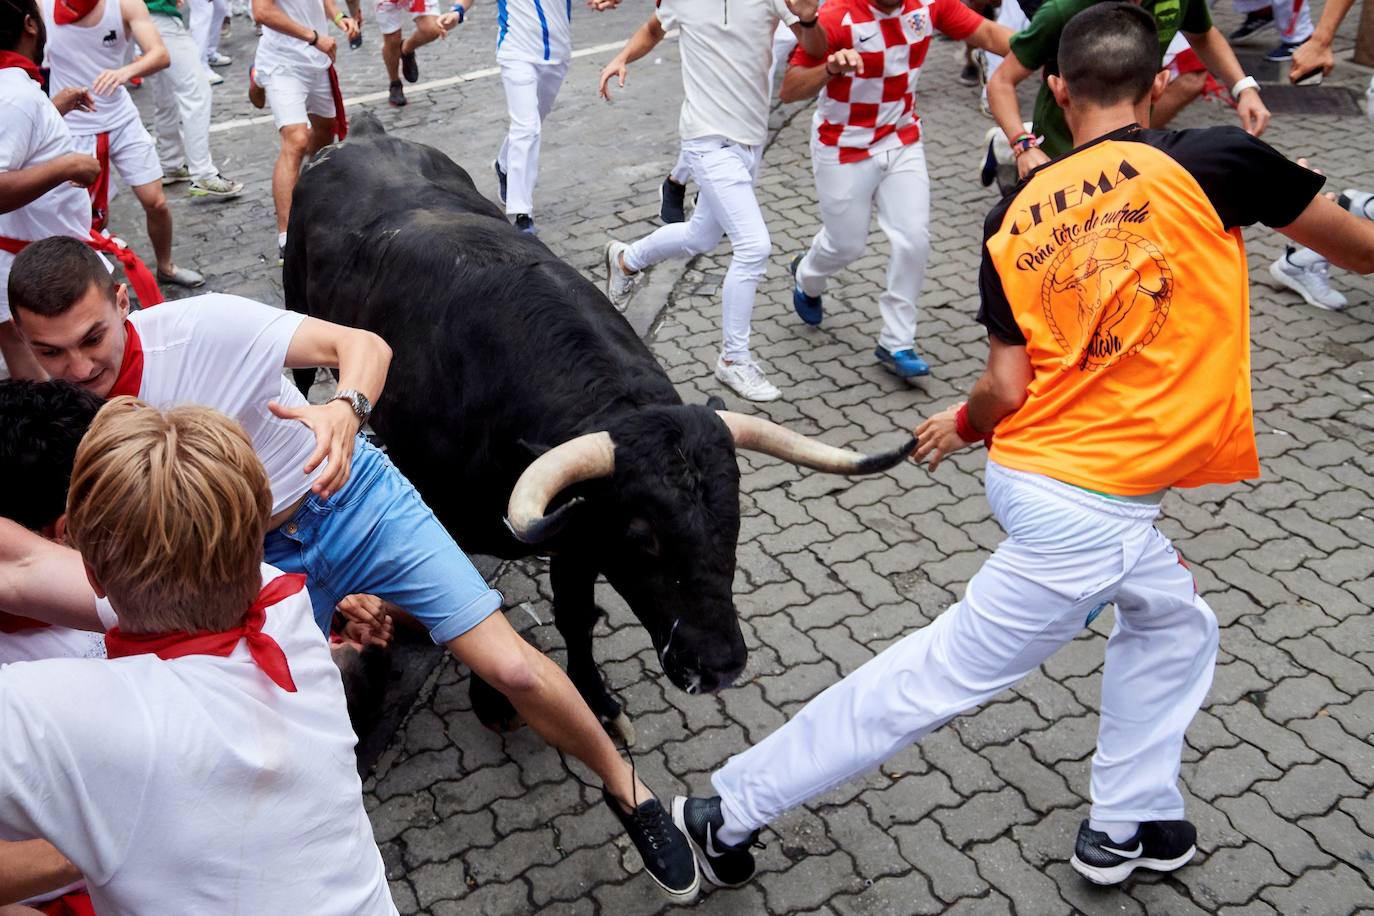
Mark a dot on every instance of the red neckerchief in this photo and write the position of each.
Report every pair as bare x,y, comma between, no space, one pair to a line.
14,59
130,378
266,653
65,12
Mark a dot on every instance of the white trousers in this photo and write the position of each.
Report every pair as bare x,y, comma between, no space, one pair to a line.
1293,18
1067,553
530,91
724,172
207,16
181,103
896,181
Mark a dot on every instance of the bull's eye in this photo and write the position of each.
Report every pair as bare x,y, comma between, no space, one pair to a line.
641,534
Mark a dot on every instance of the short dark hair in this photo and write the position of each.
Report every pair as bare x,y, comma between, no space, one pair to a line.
41,424
48,277
12,15
1109,53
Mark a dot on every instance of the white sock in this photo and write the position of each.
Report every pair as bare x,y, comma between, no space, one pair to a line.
1118,831
281,239
731,833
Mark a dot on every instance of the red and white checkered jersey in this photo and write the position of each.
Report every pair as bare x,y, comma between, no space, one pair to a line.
858,116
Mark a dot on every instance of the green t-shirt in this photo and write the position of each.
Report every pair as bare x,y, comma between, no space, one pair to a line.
164,8
1037,46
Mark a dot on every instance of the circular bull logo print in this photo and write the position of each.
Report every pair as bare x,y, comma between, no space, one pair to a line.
1105,296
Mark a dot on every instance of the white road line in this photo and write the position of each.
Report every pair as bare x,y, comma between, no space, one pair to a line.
467,77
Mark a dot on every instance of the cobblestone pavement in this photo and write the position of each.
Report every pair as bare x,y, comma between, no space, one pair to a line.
979,818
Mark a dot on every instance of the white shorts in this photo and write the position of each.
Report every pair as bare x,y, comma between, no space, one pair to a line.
297,93
133,155
391,16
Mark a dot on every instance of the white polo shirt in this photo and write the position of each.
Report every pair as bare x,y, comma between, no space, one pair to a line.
727,59
227,352
195,785
32,133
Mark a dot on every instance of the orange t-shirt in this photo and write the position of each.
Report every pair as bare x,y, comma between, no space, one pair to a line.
1121,268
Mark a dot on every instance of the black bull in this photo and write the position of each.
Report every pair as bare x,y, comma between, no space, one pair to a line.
504,354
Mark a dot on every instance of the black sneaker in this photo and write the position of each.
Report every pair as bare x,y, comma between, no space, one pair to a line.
410,67
672,202
1157,845
525,224
724,866
666,853
396,96
500,179
969,75
1284,51
1254,22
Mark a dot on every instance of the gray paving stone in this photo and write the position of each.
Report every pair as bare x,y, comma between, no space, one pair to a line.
1230,876
1292,846
1309,789
1336,890
1029,890
984,816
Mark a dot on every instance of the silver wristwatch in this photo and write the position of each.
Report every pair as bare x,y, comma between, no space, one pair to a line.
362,407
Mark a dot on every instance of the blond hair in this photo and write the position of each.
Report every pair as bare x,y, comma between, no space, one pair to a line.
169,511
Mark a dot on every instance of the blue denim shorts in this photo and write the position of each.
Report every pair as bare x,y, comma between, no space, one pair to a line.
377,537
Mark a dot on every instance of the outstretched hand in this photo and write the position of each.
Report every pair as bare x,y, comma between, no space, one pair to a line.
335,426
937,437
616,68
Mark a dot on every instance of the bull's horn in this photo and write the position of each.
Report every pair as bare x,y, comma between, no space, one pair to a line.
755,434
588,456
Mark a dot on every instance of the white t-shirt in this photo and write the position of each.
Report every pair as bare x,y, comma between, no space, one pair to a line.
227,352
195,785
726,65
277,51
50,642
32,133
538,31
78,54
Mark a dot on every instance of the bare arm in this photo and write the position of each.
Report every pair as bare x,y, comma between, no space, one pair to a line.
267,14
362,359
32,867
1006,109
998,393
140,26
1315,53
992,36
23,186
45,581
644,40
1341,237
801,83
1216,54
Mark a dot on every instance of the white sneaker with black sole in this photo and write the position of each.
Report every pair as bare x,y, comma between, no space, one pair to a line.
747,380
1307,273
1157,845
620,286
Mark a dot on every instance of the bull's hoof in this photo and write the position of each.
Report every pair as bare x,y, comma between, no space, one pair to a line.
621,727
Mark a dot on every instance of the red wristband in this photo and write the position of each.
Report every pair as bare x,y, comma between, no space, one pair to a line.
965,428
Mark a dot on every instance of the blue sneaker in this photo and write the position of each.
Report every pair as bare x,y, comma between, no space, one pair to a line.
808,307
903,363
500,179
525,224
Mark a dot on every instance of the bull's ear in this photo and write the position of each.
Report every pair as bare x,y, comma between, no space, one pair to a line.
715,403
534,449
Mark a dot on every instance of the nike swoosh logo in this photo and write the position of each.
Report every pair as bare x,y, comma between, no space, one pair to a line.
711,850
1124,853
864,39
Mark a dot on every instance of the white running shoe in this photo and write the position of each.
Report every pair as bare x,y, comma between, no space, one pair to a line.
1306,273
620,286
213,78
746,380
219,60
217,187
1360,203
